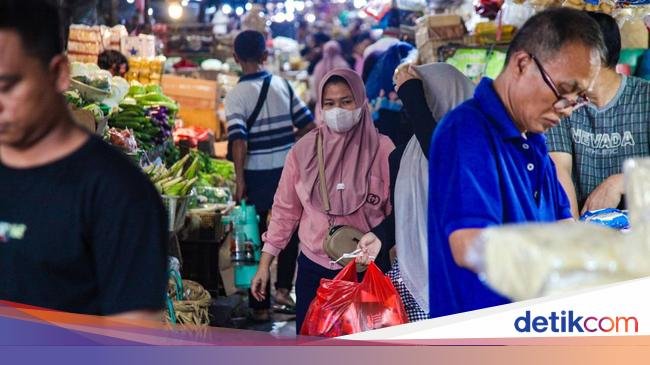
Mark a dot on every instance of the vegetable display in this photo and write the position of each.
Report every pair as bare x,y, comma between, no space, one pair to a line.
147,112
178,180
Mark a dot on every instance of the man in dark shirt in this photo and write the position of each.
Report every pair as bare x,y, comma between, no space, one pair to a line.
81,228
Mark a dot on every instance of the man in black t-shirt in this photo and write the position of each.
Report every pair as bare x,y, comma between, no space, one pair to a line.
81,228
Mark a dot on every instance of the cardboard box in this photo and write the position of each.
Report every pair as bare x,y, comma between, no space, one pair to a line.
435,20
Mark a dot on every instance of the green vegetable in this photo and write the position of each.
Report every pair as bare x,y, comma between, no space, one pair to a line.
136,90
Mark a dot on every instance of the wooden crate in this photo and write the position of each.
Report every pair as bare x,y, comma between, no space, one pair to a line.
197,99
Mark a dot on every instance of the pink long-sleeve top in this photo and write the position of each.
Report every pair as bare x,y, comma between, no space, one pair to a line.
291,207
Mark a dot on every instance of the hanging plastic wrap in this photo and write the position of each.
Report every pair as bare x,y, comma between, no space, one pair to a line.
531,260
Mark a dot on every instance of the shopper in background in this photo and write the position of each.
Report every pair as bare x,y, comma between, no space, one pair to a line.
313,52
81,228
114,62
332,59
446,88
360,42
590,146
260,150
356,174
488,163
385,104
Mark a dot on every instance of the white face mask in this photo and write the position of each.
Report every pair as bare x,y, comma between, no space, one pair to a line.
341,120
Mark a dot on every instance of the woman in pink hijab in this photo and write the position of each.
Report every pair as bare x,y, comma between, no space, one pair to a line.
356,174
332,59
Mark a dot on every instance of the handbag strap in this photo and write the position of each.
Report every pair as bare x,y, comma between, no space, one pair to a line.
260,101
321,172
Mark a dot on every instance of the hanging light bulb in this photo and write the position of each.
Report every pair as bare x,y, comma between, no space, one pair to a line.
239,11
310,18
175,10
226,9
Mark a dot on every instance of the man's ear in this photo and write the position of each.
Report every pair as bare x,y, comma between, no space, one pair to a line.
265,56
60,68
519,62
236,58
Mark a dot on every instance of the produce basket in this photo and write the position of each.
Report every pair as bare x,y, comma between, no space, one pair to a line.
187,302
176,207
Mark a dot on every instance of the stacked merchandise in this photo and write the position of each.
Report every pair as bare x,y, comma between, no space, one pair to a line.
146,70
434,31
85,43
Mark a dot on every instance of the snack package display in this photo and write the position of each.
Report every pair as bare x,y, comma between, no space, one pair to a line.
531,260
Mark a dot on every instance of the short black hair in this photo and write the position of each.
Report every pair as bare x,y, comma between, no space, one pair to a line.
107,59
546,32
38,24
611,36
250,46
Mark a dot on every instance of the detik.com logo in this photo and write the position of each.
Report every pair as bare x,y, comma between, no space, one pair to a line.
569,322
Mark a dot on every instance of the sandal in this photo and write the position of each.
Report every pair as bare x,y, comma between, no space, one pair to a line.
284,309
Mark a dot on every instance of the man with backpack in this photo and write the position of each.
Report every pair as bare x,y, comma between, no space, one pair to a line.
264,119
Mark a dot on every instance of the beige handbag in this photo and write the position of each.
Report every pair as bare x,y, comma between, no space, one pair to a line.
340,239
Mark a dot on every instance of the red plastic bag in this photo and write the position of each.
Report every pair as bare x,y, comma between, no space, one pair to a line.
343,306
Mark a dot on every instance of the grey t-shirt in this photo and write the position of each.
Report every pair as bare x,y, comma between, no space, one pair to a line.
600,140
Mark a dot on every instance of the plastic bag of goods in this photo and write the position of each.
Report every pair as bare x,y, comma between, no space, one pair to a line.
344,306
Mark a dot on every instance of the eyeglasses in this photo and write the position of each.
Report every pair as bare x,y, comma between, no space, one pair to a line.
562,102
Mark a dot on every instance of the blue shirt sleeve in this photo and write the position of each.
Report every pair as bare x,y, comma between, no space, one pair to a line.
463,176
563,205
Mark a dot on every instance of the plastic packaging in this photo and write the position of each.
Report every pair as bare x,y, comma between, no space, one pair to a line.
531,260
608,217
344,306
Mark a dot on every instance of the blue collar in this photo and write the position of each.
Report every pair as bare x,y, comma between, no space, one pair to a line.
254,76
493,107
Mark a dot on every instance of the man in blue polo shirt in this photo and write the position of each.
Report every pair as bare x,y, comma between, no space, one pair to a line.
488,161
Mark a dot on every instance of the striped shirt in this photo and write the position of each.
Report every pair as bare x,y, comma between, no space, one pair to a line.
600,140
272,134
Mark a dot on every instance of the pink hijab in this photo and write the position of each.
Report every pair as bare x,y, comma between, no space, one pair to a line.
348,157
331,60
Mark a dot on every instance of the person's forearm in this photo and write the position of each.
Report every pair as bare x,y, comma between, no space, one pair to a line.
239,151
461,242
569,188
265,260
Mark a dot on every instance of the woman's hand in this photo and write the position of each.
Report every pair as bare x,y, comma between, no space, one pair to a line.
258,284
369,246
